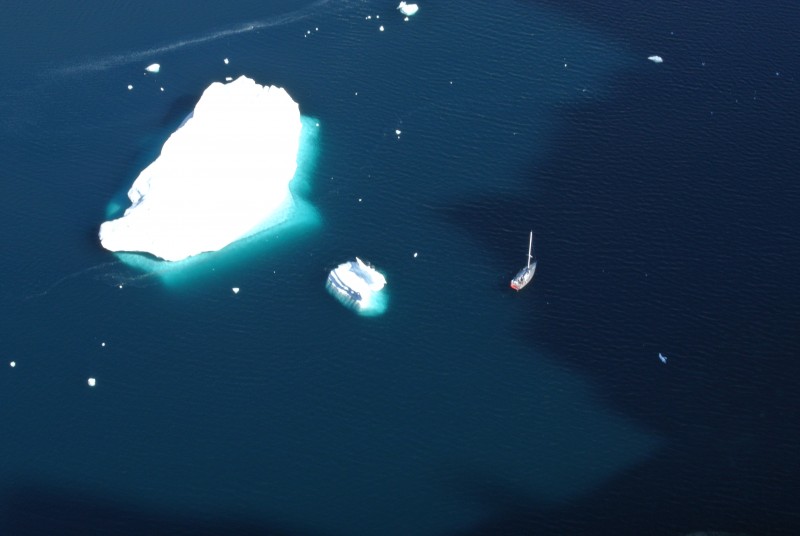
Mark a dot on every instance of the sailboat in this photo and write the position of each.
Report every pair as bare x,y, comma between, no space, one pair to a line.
525,275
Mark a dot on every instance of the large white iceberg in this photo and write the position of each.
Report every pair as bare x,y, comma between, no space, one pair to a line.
358,285
224,172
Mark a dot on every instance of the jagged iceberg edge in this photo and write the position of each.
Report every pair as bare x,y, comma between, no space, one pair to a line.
294,217
217,176
358,286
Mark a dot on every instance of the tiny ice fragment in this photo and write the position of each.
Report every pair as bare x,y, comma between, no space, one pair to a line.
130,87
662,357
235,290
92,382
228,78
13,364
397,131
656,59
153,68
226,61
381,28
415,254
102,344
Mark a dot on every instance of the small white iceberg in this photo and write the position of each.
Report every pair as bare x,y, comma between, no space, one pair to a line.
662,357
92,382
408,9
656,59
359,286
153,68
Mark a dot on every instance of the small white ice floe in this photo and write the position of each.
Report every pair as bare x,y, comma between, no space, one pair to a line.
12,364
153,68
408,9
130,87
226,61
415,254
235,290
656,59
398,132
662,357
92,382
102,344
381,28
228,78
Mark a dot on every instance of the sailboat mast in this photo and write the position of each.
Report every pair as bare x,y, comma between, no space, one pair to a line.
530,247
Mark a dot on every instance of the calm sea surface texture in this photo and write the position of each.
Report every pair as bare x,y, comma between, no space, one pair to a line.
664,204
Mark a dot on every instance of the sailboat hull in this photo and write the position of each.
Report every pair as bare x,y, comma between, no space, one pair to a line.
523,277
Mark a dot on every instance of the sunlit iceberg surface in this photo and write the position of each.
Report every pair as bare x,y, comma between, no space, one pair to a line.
408,9
358,286
224,172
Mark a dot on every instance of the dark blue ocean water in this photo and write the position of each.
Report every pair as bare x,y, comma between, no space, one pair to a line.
663,199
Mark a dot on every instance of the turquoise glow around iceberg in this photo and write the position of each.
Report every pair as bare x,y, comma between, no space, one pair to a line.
292,216
376,306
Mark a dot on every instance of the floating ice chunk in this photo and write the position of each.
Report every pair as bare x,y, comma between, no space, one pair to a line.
662,357
224,172
226,61
235,290
656,59
381,28
153,68
102,344
408,9
13,364
358,285
130,87
92,382
228,78
415,254
397,131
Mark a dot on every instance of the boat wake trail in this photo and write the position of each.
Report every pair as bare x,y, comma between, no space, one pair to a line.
109,272
131,57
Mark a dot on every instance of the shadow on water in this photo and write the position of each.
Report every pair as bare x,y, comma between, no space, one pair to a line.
648,236
180,108
639,511
30,510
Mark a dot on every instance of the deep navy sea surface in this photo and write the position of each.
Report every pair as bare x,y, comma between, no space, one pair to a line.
663,198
